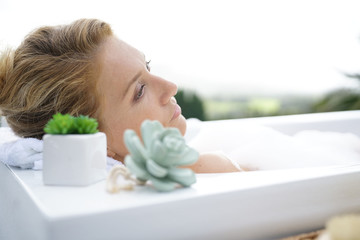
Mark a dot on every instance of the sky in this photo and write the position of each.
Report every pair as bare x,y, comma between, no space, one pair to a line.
219,47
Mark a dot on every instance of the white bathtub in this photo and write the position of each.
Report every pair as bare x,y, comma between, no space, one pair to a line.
250,205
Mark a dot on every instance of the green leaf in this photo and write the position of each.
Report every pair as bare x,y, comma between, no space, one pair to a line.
139,171
149,130
183,176
163,184
157,152
189,157
60,124
155,169
135,147
85,125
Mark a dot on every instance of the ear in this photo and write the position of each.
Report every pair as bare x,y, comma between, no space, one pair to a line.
110,153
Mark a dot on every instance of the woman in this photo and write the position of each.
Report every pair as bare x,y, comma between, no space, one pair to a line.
83,68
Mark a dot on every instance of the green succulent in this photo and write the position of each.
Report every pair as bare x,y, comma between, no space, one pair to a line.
85,125
159,156
66,124
60,124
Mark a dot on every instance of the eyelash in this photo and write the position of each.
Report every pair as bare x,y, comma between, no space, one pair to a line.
148,65
140,92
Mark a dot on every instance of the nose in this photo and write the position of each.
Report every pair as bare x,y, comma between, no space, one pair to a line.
168,90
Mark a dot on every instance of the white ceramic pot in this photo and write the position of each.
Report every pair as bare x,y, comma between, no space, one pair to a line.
74,159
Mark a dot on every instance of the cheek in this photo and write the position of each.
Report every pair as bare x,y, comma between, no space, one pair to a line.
148,111
114,135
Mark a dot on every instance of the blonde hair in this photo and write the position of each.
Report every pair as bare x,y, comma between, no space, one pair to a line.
53,70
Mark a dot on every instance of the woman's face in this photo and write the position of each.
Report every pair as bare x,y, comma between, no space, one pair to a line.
130,94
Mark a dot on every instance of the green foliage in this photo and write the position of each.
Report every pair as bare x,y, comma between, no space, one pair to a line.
66,124
191,104
263,106
256,106
341,99
226,107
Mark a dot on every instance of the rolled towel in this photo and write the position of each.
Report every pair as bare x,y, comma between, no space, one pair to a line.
25,153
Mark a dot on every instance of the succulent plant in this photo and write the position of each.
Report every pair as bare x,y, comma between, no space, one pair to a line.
85,125
159,156
66,124
60,124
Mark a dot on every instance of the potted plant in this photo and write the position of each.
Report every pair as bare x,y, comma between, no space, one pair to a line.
74,151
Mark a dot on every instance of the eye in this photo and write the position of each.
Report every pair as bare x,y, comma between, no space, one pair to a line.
148,65
139,91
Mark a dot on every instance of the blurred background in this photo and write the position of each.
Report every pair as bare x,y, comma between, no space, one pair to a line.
230,59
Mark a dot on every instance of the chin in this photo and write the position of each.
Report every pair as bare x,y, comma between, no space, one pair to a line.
180,123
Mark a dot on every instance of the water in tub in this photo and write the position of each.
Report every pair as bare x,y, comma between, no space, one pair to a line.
258,147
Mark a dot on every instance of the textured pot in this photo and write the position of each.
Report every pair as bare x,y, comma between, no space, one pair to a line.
74,159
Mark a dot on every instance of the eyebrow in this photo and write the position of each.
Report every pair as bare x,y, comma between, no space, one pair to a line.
131,83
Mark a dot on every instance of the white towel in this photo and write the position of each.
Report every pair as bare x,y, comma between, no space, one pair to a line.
26,153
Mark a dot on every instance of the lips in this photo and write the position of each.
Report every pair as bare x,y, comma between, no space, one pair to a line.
177,112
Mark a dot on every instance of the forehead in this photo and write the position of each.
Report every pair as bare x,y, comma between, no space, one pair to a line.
118,62
118,52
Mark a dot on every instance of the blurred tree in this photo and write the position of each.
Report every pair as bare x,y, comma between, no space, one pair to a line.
191,104
340,100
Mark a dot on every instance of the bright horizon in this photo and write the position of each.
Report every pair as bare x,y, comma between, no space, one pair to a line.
220,47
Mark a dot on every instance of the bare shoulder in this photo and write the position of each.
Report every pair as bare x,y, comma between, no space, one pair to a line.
214,163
